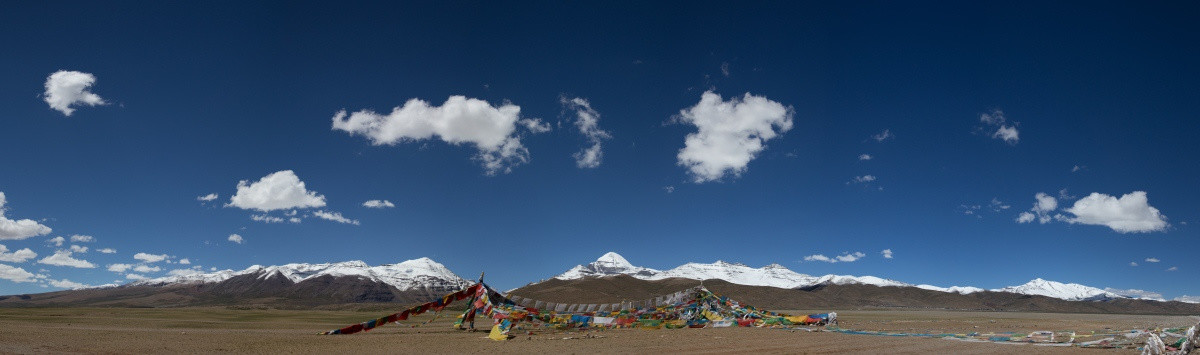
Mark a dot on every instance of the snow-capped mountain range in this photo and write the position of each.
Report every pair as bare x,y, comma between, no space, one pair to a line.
776,275
423,273
426,274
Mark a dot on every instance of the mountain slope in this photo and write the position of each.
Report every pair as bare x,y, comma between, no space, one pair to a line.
290,285
833,297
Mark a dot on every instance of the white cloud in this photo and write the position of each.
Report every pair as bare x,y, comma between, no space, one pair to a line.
64,283
1077,168
1173,268
588,122
1042,206
865,157
1152,260
334,216
731,133
107,250
847,257
18,256
18,229
883,136
57,241
146,268
236,238
150,258
82,238
491,130
863,179
66,88
119,267
185,261
378,204
208,197
294,220
135,277
1133,263
725,69
996,120
277,191
16,274
266,218
78,249
669,188
887,253
998,206
1131,213
1135,293
819,257
63,258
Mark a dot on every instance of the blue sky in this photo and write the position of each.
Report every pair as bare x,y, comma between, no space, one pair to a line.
1092,104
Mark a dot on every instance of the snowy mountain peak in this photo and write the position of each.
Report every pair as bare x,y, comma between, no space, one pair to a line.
613,260
422,273
1066,291
607,265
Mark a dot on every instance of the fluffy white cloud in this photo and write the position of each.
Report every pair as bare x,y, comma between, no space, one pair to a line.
146,268
669,188
491,130
887,253
1133,263
135,277
208,197
63,258
266,218
1173,268
64,283
847,257
82,238
119,267
16,274
334,216
277,191
1131,213
998,206
864,178
883,136
587,120
150,258
18,256
996,120
236,238
1042,206
378,204
65,88
107,250
731,133
185,261
78,249
18,229
865,157
57,241
1152,260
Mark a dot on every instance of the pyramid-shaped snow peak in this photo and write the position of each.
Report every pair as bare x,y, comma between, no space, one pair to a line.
607,265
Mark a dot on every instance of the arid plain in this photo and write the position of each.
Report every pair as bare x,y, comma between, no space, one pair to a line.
218,330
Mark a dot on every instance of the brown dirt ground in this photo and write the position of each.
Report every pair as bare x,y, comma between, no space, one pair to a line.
221,330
